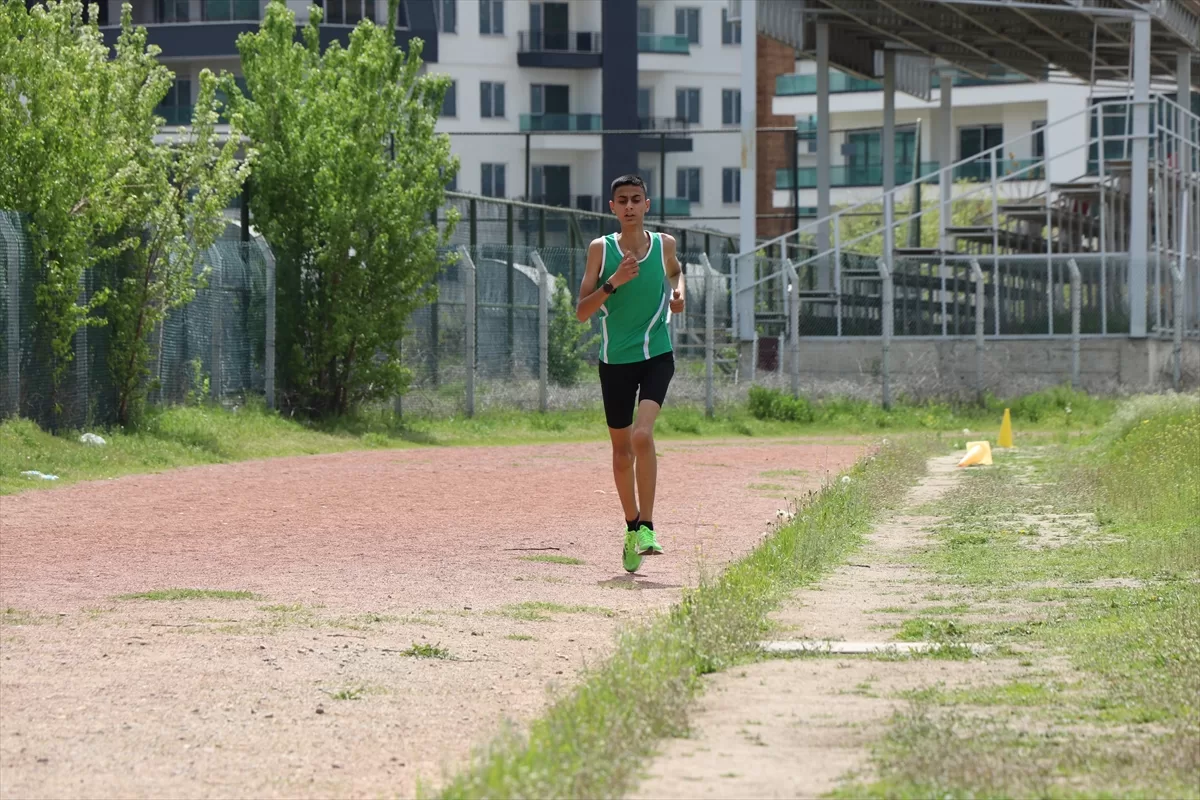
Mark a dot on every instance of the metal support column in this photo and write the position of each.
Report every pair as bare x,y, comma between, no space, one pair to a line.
946,183
1139,195
824,157
744,269
889,156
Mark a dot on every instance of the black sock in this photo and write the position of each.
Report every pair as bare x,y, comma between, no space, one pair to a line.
632,525
648,524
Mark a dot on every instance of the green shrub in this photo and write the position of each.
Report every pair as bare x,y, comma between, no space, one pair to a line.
567,340
773,404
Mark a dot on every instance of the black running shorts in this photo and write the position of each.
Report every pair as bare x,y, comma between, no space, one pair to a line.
620,385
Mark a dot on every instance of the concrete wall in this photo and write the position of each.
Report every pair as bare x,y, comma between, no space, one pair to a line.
935,366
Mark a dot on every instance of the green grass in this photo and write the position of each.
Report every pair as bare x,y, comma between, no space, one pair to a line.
427,651
184,436
190,594
593,740
553,559
1126,723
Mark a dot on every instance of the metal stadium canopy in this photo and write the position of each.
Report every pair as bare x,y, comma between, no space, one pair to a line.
1087,38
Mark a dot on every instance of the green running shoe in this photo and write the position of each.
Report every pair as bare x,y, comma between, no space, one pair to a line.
632,559
646,543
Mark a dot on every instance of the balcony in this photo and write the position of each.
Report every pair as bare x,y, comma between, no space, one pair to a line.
210,28
664,134
844,176
671,45
559,49
841,83
560,123
671,206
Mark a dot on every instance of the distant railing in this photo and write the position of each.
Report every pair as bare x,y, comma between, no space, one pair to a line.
535,123
841,83
655,43
559,42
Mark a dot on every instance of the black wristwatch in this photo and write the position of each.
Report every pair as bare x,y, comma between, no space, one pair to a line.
608,287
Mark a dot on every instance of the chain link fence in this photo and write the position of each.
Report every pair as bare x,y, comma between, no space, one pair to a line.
213,347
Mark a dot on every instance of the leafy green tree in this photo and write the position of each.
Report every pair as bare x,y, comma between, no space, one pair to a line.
568,339
65,161
348,175
182,190
78,125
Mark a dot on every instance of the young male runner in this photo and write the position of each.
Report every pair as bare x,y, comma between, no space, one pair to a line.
626,282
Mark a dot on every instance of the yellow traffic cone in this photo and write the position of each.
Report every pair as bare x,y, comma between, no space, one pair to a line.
1005,438
979,454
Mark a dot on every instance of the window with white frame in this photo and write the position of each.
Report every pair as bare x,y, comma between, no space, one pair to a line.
731,185
645,20
645,100
731,106
491,17
447,15
731,32
687,105
1039,139
687,183
450,101
687,23
491,180
491,99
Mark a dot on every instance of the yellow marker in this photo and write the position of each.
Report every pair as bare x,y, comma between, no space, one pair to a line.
979,454
1005,438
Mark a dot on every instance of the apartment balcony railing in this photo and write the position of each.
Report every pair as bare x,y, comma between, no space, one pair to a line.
549,123
655,43
664,124
559,42
841,83
672,206
843,176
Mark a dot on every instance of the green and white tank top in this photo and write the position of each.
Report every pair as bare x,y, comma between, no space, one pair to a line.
633,320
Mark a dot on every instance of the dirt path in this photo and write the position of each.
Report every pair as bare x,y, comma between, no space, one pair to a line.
314,688
796,727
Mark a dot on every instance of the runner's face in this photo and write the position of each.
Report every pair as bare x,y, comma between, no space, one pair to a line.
630,204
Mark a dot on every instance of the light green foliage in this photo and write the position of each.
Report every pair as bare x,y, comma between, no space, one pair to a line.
568,339
67,116
178,195
864,234
349,172
81,162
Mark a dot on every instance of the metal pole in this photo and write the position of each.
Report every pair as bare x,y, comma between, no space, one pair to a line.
1076,302
824,177
1104,221
889,154
543,332
12,276
662,176
1180,275
1139,233
946,184
469,355
887,320
743,272
512,314
217,327
793,325
709,332
996,239
977,274
269,367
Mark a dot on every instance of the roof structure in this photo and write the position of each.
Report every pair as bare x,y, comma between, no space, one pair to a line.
1087,38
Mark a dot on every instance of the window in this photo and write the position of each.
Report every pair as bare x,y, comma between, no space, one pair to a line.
687,183
226,10
452,184
731,185
491,99
492,180
645,19
652,188
450,102
976,139
171,11
687,23
402,15
549,98
347,12
731,32
447,14
176,106
731,106
1039,139
645,105
491,16
687,105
